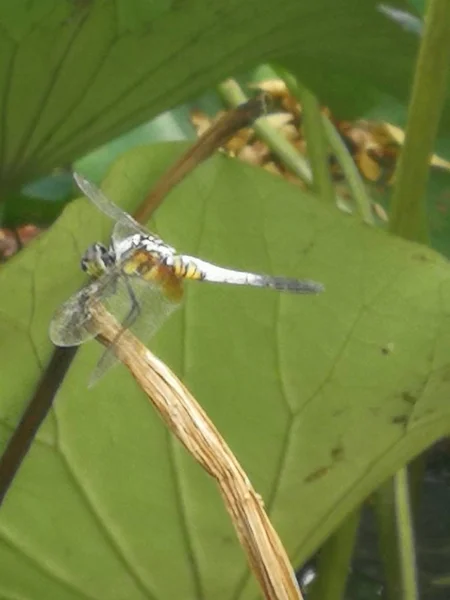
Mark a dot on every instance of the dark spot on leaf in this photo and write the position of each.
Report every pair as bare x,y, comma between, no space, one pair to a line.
317,474
409,398
387,349
422,257
400,420
339,412
308,248
337,453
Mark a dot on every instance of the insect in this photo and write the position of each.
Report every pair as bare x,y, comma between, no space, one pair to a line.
139,279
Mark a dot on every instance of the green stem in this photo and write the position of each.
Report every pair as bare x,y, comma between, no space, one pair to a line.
233,95
384,506
320,124
334,561
408,212
395,537
316,143
352,176
405,536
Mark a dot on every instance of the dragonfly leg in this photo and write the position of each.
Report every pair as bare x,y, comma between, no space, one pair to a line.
108,357
133,313
135,308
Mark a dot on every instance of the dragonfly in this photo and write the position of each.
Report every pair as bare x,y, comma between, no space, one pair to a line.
139,279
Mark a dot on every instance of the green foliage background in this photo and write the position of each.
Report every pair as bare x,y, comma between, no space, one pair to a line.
320,398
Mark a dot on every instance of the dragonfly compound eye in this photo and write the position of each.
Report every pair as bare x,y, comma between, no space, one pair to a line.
97,260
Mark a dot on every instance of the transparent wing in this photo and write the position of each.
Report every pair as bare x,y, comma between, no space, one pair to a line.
123,230
140,306
106,206
125,226
71,324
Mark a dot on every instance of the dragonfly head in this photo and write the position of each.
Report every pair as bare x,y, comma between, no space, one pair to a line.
97,260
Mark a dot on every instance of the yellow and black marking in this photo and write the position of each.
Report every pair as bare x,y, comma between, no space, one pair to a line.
141,263
93,269
186,270
150,267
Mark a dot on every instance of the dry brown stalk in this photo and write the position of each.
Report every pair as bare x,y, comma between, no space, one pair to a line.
189,422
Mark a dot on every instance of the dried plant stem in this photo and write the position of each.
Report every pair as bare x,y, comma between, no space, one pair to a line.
188,421
212,139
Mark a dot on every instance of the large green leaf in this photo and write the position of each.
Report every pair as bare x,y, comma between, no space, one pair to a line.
321,398
76,74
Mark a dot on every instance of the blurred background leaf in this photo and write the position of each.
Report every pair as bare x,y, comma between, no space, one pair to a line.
76,75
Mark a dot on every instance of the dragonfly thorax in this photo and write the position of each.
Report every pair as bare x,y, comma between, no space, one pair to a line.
97,260
151,244
121,247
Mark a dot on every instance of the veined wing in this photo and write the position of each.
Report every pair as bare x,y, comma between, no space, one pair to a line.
107,207
137,304
123,232
141,307
205,271
125,226
71,324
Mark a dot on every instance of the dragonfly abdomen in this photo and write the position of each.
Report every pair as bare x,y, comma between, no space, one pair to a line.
206,271
184,268
285,284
